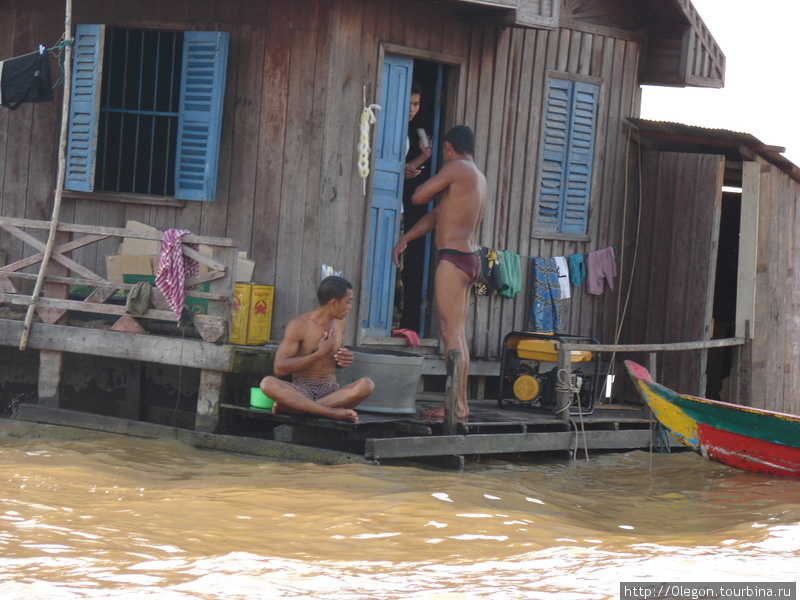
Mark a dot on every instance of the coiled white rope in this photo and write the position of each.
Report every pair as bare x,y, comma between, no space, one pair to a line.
368,117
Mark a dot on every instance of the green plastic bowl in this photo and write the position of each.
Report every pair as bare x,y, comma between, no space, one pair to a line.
259,399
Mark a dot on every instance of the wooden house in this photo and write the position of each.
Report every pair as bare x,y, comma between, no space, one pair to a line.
715,257
257,140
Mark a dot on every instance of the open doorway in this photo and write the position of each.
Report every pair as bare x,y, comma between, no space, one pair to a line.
720,360
413,306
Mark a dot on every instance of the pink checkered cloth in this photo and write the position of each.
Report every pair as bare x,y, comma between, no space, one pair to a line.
174,268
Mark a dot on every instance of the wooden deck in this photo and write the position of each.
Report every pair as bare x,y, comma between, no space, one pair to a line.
490,430
377,438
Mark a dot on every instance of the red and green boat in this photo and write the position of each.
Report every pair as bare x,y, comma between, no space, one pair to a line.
738,436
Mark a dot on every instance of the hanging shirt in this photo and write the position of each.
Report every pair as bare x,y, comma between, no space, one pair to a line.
25,79
601,267
563,276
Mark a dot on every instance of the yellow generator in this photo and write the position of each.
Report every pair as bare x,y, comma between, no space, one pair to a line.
529,372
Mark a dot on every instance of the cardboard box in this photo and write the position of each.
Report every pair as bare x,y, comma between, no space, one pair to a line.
135,246
118,265
251,324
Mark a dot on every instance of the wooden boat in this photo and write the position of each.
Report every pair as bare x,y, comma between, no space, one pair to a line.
738,436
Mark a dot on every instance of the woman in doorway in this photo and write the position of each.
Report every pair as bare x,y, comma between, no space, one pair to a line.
411,274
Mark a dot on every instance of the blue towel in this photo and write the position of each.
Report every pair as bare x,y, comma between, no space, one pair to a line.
545,313
577,269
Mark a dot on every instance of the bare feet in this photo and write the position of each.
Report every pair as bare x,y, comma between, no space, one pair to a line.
438,413
339,414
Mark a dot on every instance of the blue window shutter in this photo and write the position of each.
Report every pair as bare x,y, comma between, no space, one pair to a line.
391,138
555,152
567,155
87,66
205,56
575,215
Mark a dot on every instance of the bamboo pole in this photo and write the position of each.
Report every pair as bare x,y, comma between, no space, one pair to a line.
62,151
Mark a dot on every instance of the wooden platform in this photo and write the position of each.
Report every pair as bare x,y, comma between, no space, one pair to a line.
376,439
490,430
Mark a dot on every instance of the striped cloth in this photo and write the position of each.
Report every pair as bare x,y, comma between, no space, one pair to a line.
174,268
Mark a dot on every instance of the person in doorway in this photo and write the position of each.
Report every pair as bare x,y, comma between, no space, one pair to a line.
310,351
414,163
456,220
410,289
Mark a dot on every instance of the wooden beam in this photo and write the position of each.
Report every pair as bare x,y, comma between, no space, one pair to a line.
450,445
140,234
700,345
71,425
94,342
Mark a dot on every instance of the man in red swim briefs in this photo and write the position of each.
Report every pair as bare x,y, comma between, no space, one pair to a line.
456,219
311,349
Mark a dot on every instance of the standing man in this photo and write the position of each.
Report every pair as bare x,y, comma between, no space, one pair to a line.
310,351
456,219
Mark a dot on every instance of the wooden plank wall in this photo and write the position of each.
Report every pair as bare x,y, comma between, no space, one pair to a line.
673,282
776,346
528,56
288,184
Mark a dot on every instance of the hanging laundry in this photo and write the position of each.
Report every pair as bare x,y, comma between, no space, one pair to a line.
489,278
545,312
510,274
577,269
563,277
25,79
138,299
601,267
174,268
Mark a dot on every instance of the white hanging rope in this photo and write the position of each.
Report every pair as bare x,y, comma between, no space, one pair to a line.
368,117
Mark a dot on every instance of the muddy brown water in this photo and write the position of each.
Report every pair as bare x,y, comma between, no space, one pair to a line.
125,518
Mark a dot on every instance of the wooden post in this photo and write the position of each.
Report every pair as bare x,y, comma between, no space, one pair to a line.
745,367
646,412
563,396
651,365
454,365
62,167
208,398
51,365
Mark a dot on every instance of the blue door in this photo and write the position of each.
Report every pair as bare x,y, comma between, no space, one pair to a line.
387,193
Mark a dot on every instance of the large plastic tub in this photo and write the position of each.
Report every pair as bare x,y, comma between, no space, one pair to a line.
396,376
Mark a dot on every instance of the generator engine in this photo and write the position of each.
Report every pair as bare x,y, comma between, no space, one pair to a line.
529,371
537,389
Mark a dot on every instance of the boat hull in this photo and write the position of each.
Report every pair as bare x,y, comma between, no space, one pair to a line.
738,436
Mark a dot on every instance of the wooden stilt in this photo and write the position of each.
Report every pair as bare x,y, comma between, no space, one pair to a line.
208,397
563,394
51,365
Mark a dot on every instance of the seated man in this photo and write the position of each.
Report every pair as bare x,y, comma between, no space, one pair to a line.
310,351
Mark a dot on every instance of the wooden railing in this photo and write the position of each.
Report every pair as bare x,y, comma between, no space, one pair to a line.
62,273
564,397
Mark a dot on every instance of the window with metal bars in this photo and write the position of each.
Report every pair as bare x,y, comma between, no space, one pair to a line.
146,111
139,105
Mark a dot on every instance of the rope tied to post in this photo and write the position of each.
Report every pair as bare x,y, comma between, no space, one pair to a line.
564,383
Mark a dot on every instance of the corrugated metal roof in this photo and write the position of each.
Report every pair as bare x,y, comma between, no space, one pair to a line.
667,135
